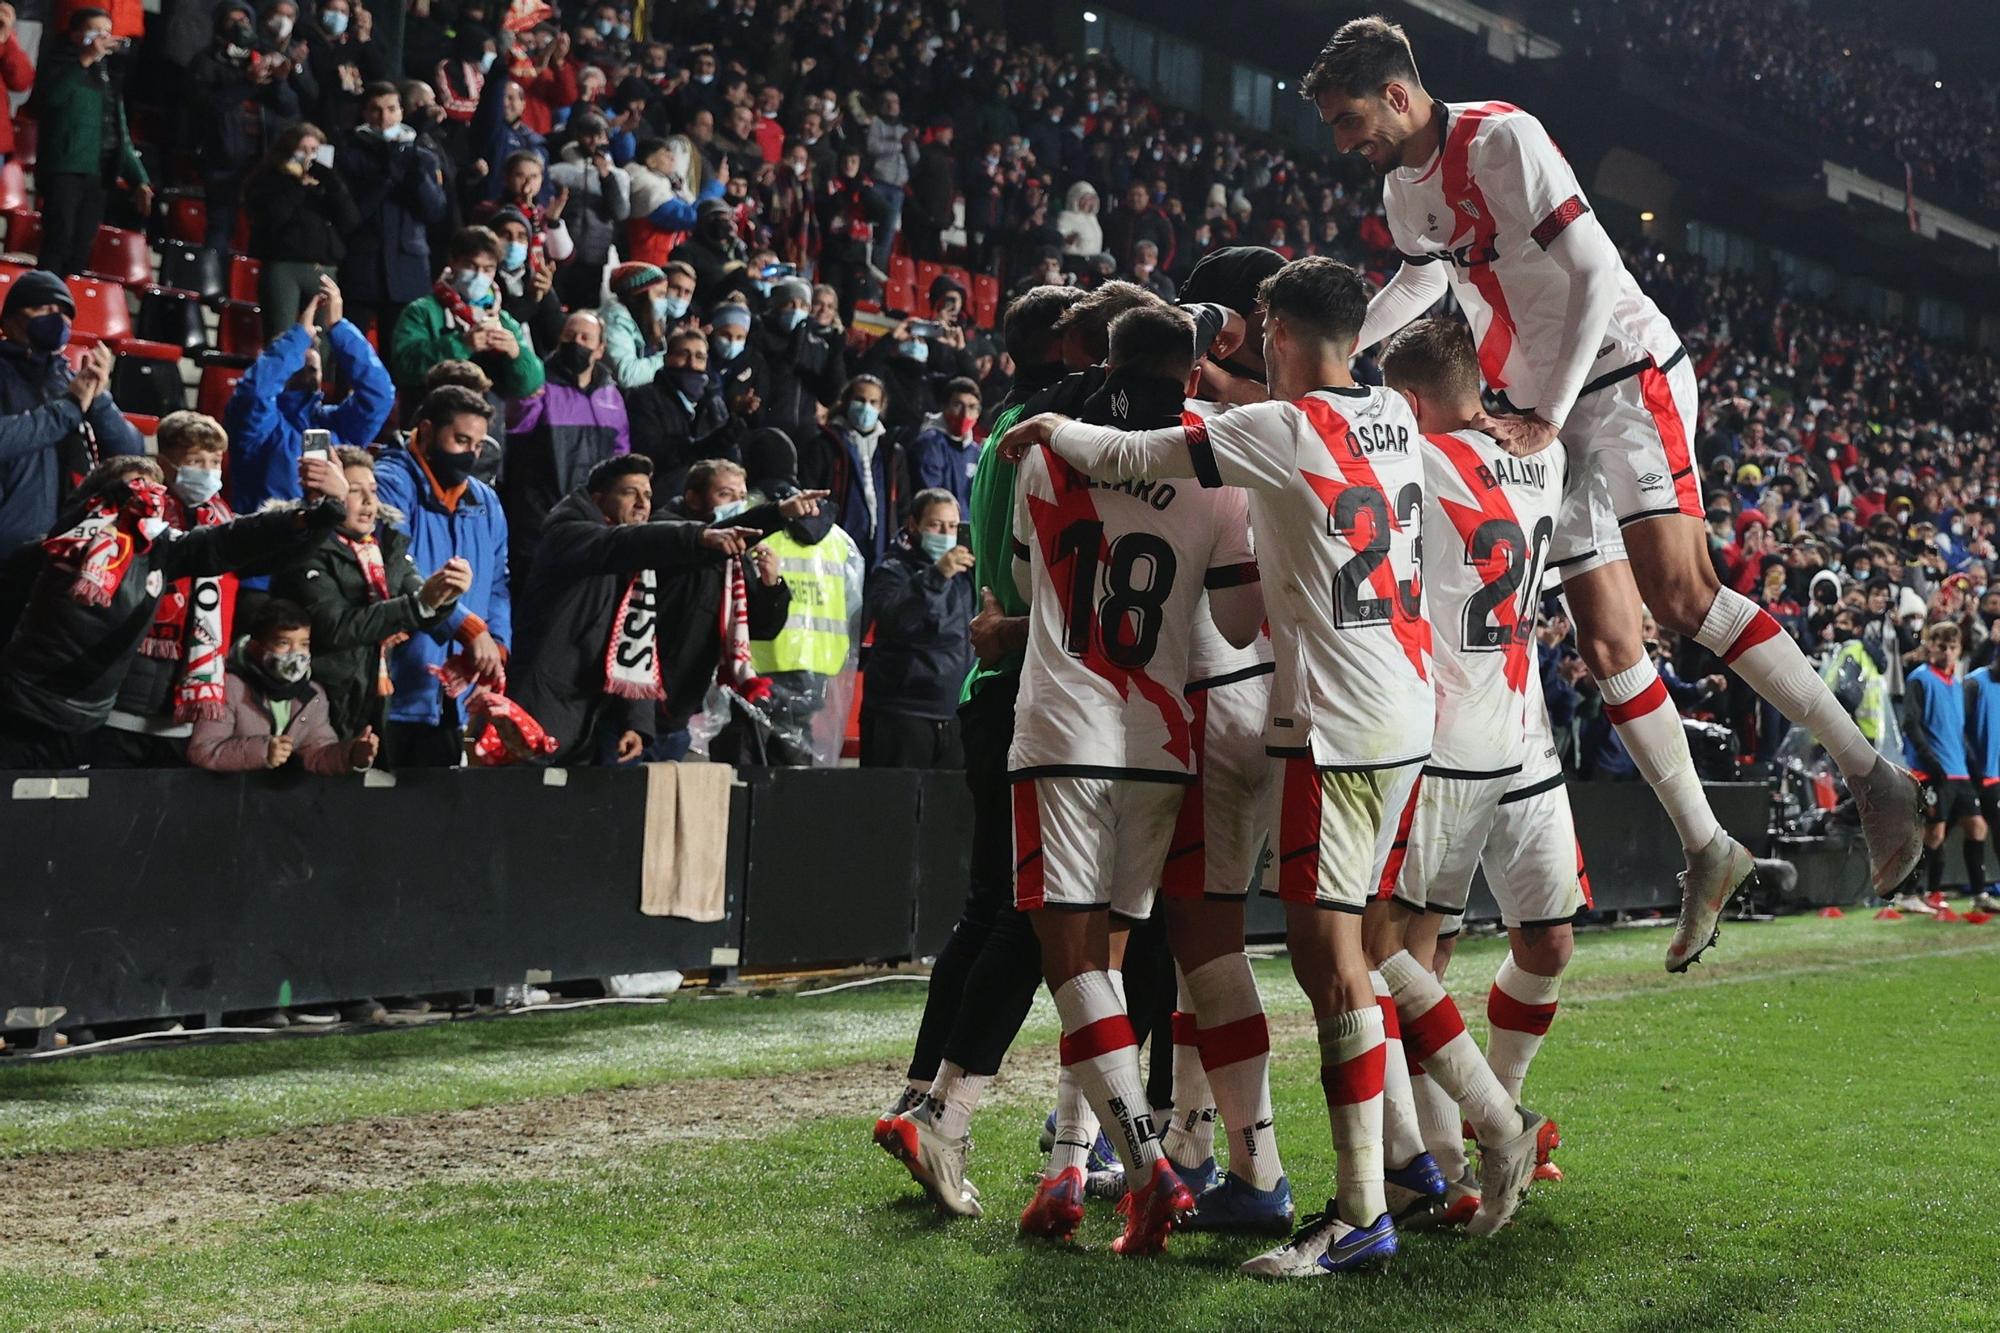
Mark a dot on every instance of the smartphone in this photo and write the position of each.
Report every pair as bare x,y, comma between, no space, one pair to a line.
965,533
772,272
925,328
324,155
319,444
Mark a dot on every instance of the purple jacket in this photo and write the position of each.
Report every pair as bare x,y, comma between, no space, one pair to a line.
554,439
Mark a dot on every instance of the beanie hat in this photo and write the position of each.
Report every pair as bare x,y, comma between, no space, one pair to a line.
709,207
38,287
792,289
732,314
629,278
1230,276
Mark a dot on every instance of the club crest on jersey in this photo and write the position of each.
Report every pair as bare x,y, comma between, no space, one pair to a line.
1469,208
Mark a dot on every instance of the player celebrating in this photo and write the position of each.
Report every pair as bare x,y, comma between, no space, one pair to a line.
1488,520
1102,746
1478,199
1335,480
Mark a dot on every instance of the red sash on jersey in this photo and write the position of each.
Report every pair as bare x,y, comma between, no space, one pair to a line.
1493,504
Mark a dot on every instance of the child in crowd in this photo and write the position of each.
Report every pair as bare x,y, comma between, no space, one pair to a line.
274,713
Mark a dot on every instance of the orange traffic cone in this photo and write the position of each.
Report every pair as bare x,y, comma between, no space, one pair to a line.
1832,913
1947,914
1888,914
1977,918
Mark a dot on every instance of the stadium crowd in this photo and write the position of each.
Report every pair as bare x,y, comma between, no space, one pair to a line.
1845,92
547,278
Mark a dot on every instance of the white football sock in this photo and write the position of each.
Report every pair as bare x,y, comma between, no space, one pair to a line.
1519,1009
1444,1127
1076,1127
954,1095
1757,648
1099,1048
1190,1139
1402,1136
1638,705
1436,1038
1350,1072
1236,1050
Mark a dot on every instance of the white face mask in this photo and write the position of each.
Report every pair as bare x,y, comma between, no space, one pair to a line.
279,27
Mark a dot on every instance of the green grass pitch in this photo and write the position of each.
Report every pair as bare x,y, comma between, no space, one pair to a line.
1799,1135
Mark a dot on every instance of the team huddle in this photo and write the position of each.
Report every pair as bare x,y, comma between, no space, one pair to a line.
1261,605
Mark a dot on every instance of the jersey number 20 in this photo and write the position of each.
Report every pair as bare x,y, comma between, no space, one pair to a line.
1485,632
1126,622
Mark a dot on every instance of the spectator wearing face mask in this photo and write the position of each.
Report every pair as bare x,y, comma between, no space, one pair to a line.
279,399
79,103
945,453
446,512
680,418
461,77
461,320
558,436
54,424
801,365
714,252
242,97
299,212
499,130
365,595
643,311
855,460
592,664
665,196
920,598
397,186
850,210
1138,218
902,361
178,677
96,583
728,340
274,713
600,200
344,60
527,281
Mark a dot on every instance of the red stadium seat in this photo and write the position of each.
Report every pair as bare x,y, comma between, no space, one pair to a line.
146,426
24,231
122,257
985,301
927,273
962,278
243,274
13,186
901,269
218,381
187,219
900,296
101,309
242,329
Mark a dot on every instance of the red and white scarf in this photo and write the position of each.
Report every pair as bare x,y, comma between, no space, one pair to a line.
368,554
632,654
735,670
456,308
200,641
99,549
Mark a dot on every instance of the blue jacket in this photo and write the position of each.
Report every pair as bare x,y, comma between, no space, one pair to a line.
922,652
938,460
42,455
1934,725
1982,724
267,423
477,530
492,138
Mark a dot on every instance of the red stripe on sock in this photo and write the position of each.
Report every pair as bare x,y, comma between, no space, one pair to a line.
1232,1043
1429,1032
1760,628
1099,1038
1653,696
1354,1080
1392,1022
1186,1031
1504,1011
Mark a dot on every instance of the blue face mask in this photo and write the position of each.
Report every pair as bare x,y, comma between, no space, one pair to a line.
604,27
622,31
935,544
724,513
863,415
475,287
728,349
671,307
334,22
763,288
48,333
917,350
486,62
791,317
516,256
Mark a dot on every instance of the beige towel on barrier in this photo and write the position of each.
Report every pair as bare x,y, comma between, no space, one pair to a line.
685,860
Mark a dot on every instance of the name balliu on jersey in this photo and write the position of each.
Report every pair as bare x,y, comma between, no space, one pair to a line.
1487,207
1116,574
1488,521
1336,498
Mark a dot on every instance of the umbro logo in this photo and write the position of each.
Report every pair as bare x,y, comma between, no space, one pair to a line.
1120,405
1430,222
1650,480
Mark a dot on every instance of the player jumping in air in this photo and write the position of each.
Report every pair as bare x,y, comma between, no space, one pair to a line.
1480,201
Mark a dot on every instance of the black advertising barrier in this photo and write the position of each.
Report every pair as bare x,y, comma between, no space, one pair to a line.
146,894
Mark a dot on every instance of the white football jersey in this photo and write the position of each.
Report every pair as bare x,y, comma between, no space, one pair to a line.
1488,521
1212,658
1336,483
1116,574
1487,207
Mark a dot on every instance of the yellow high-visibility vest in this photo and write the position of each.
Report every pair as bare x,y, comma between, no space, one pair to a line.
815,634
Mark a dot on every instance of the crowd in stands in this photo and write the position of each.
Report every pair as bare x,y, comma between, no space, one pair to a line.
544,279
1845,92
